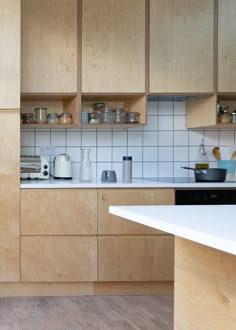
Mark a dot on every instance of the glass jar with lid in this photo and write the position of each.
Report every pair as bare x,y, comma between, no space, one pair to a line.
53,118
41,115
120,115
28,118
94,117
65,118
107,115
234,117
226,116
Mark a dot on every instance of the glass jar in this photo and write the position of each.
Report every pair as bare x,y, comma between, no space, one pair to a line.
225,117
65,118
28,118
41,115
94,117
99,106
53,118
107,115
133,117
120,115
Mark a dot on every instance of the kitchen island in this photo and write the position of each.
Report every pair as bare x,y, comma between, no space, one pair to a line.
205,260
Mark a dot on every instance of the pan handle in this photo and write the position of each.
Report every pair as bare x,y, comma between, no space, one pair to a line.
188,168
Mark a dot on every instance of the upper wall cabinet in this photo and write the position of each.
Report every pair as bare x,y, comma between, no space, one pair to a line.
113,46
226,46
10,54
181,46
49,46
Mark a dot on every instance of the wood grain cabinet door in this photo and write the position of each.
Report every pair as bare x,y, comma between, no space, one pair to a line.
113,46
10,54
181,46
226,46
136,258
58,212
109,224
49,46
58,259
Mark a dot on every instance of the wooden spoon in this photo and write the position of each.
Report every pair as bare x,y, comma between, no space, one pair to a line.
216,153
233,156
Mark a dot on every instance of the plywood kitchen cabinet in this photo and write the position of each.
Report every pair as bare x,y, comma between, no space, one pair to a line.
125,249
113,46
58,228
10,54
49,55
181,46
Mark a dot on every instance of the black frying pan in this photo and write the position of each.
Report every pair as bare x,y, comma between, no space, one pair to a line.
208,175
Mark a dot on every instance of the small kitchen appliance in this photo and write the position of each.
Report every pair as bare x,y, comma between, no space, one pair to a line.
34,167
62,167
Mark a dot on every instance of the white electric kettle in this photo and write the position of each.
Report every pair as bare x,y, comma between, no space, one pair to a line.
62,167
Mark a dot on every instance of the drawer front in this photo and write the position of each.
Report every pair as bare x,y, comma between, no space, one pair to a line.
136,258
58,212
111,224
58,259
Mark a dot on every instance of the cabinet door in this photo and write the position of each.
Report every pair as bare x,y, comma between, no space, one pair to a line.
111,224
58,212
113,46
226,46
49,46
58,259
136,258
10,54
181,46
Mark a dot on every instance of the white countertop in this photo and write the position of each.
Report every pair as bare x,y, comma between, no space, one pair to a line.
136,183
210,225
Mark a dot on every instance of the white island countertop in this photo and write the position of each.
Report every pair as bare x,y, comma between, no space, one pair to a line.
210,225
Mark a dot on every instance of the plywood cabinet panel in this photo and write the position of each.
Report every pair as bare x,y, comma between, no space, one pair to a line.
113,46
181,46
226,46
49,46
110,224
58,211
9,196
58,259
136,258
10,54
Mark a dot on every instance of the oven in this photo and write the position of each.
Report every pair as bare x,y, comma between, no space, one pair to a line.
205,196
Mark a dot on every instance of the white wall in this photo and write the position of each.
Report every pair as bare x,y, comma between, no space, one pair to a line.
158,149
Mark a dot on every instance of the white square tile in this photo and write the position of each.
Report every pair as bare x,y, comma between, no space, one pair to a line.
137,169
226,138
193,153
134,138
166,108
150,154
152,108
74,153
58,138
43,139
179,123
166,138
195,137
27,151
136,153
166,123
211,138
104,139
180,108
179,171
59,150
118,153
181,154
151,123
104,154
120,138
181,138
27,139
166,169
118,168
150,138
150,169
89,139
73,139
166,154
75,170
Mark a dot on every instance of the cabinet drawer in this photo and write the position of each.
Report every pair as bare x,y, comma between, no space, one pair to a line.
58,259
58,212
136,258
111,224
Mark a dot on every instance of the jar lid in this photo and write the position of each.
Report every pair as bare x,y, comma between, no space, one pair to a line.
127,158
234,112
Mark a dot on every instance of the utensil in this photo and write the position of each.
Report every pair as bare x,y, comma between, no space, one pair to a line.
208,175
216,153
233,156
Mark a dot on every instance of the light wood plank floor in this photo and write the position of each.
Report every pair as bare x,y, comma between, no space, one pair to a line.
87,312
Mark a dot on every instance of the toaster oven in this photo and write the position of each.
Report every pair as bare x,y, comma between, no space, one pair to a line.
34,167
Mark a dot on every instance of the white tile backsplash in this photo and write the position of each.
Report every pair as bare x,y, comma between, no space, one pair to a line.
158,149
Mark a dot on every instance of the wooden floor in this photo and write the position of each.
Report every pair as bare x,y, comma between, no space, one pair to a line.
87,312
